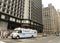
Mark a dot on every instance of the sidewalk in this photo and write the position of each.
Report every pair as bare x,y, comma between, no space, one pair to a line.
41,35
5,38
2,42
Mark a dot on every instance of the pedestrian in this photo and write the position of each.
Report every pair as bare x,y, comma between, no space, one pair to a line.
7,34
4,34
1,33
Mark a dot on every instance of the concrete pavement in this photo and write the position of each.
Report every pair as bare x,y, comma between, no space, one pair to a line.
39,39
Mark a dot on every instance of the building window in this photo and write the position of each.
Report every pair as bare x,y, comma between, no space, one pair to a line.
9,2
0,3
12,19
0,7
31,22
18,21
3,9
8,7
4,5
12,0
11,8
11,12
7,17
5,0
14,14
25,21
7,11
2,16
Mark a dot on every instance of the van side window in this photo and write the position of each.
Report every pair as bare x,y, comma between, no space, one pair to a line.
20,31
34,32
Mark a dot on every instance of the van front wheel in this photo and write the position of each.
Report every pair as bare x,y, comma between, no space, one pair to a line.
17,37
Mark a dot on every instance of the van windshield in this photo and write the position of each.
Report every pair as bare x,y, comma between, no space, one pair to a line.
19,31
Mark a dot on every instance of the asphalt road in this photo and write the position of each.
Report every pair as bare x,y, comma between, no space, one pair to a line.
39,39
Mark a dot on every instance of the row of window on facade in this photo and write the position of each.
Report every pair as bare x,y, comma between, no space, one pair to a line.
13,19
10,0
12,3
34,17
14,8
16,20
8,11
18,14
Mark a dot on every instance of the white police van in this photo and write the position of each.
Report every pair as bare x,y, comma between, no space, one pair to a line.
23,33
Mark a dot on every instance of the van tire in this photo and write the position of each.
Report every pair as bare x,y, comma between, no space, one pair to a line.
17,37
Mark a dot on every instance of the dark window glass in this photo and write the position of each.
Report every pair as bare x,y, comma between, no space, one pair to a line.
20,31
4,5
11,8
5,0
7,11
3,9
0,3
14,14
7,18
11,12
8,7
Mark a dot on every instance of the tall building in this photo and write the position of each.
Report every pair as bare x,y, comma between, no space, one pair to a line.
58,12
21,13
50,19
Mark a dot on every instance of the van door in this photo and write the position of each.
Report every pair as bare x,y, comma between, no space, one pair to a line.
20,33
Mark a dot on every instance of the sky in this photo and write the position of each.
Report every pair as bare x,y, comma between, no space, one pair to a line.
55,3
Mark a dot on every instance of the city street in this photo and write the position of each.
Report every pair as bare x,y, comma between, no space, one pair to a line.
39,39
29,18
